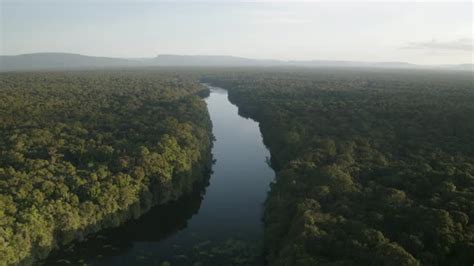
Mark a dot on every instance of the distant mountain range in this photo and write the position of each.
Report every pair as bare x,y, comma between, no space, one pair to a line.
66,61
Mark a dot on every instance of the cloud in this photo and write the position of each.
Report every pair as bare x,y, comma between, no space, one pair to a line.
463,44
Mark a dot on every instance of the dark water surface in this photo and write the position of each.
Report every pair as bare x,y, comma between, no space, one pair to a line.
218,224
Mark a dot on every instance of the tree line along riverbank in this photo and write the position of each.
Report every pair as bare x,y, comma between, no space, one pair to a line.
374,167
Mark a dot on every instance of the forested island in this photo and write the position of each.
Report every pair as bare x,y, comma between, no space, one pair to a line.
82,151
373,167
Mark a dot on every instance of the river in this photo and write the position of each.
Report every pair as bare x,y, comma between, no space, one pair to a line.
220,223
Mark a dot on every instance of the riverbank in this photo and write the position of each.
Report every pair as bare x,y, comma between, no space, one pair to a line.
220,224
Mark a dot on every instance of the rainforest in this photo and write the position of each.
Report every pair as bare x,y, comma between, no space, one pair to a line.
83,151
237,166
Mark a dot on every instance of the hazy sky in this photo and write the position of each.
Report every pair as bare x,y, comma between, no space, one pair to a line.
422,32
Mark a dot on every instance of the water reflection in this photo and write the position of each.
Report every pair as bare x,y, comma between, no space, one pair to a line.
155,225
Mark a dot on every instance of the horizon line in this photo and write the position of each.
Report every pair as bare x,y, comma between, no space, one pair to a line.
237,56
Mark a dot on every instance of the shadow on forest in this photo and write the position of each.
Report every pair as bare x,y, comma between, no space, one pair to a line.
155,225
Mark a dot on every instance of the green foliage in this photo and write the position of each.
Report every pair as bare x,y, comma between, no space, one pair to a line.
373,167
80,151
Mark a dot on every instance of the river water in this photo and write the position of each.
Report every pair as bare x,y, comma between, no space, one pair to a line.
220,223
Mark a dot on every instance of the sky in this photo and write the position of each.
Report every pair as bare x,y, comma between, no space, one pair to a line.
438,32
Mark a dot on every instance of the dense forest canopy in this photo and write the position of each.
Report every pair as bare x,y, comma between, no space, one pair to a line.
373,167
81,151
